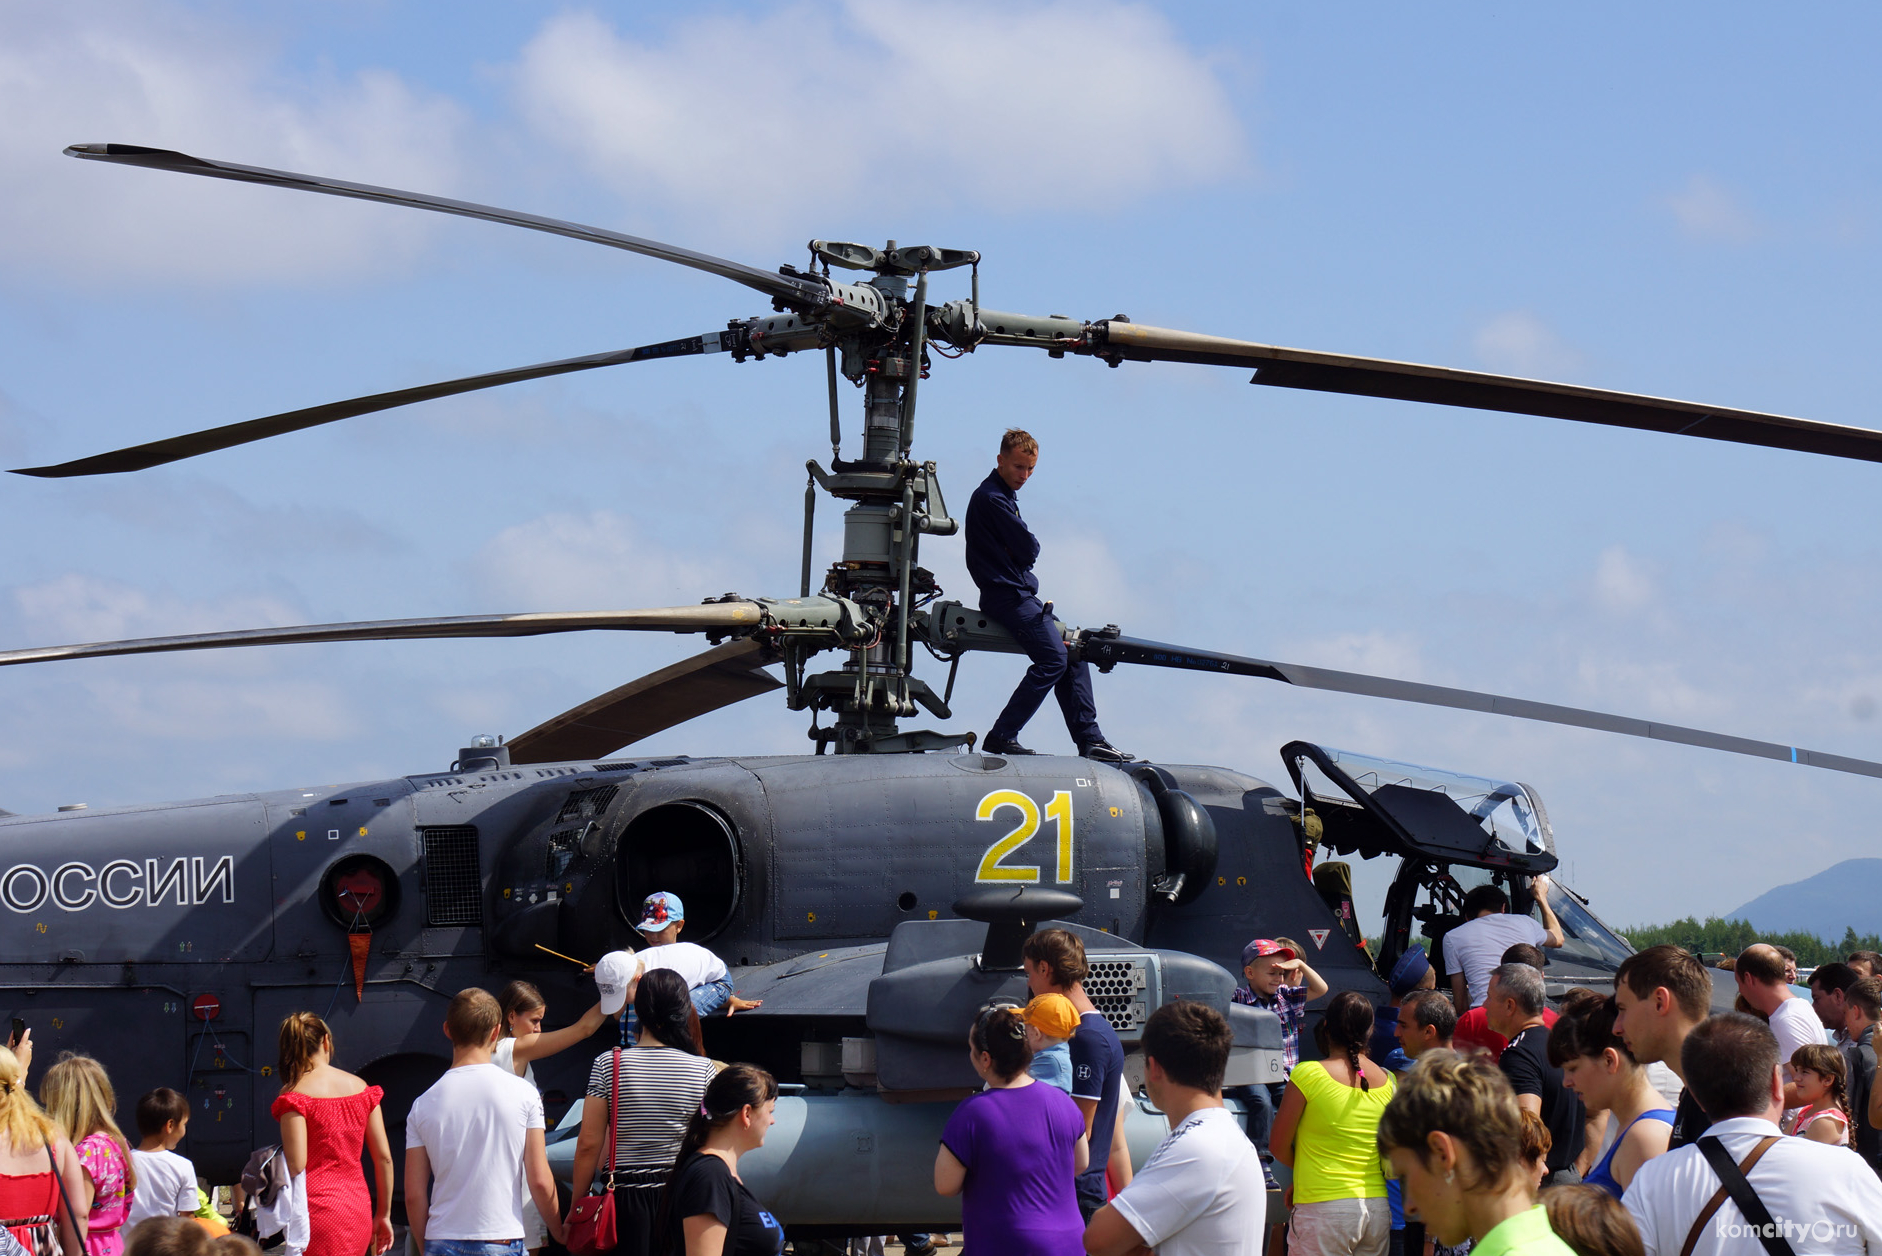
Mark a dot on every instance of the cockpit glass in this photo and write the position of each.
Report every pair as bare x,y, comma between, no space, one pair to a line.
1504,807
1584,938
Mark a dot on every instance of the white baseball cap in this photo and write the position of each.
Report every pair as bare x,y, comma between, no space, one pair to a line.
614,973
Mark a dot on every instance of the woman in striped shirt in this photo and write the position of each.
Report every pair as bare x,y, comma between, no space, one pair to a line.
663,1080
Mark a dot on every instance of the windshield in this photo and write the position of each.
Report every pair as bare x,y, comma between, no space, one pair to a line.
1585,939
1506,809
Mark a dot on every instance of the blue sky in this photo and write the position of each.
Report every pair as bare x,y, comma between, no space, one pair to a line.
1679,200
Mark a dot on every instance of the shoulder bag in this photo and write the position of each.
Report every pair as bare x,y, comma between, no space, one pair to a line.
591,1221
1732,1182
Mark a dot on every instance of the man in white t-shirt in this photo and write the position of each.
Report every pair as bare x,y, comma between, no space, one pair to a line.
1473,948
1760,973
1201,1192
472,1142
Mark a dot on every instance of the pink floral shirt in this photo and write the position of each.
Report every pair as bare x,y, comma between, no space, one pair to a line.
106,1165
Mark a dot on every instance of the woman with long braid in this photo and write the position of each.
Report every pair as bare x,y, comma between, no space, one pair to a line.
1326,1131
707,1210
663,1080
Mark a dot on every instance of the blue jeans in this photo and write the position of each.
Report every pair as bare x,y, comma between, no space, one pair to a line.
1262,1102
710,999
474,1247
1051,672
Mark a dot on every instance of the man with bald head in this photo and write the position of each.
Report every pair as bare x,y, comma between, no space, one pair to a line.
1760,973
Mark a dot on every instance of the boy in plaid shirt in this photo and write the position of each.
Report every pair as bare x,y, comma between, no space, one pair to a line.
1279,980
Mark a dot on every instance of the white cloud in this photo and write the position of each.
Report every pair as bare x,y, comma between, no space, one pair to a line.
1017,107
162,76
174,504
1374,653
75,608
1706,210
1082,576
1622,583
599,560
1519,343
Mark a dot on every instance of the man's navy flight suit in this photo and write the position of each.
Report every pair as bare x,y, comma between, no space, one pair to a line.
1001,550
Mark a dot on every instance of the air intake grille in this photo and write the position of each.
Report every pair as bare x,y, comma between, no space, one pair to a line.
1118,988
454,887
586,804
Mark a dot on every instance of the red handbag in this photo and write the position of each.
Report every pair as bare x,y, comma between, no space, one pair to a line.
591,1222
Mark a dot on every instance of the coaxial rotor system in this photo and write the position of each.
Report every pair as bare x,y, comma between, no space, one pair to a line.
880,332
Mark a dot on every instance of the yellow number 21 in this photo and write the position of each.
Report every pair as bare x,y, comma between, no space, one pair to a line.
992,864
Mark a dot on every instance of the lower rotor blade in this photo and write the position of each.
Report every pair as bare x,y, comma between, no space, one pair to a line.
1106,650
771,283
1409,381
176,448
657,701
711,617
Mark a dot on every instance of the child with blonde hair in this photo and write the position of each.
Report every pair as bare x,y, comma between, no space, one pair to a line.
39,1171
78,1095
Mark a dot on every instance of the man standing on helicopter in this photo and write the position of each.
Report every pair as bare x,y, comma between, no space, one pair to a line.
1001,551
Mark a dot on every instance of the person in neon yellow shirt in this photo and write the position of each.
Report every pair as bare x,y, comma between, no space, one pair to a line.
1327,1132
1453,1134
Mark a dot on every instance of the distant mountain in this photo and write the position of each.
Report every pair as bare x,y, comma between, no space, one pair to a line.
1845,895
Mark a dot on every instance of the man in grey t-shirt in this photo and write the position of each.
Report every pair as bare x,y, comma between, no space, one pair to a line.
1473,948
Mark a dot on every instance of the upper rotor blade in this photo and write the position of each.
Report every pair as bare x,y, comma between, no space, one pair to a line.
771,283
1409,381
176,448
657,701
713,616
1131,650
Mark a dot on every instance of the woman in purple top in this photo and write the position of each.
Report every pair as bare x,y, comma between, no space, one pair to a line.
1013,1150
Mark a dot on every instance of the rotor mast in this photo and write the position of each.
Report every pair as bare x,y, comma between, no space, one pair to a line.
895,500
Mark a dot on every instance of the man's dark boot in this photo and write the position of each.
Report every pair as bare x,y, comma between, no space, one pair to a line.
1105,752
1003,745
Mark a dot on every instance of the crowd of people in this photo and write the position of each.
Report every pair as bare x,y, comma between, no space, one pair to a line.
1636,1122
1474,1119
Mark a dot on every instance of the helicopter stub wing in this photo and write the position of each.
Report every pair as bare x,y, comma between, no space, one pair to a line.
692,687
1410,381
1105,650
176,448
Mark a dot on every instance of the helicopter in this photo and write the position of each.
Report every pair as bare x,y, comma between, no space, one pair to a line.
872,893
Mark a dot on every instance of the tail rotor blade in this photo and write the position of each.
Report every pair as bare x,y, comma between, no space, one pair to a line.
176,448
692,687
771,283
1107,650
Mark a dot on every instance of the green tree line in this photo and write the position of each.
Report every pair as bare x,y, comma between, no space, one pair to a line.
1729,937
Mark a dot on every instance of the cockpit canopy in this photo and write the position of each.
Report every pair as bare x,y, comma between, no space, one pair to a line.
1372,806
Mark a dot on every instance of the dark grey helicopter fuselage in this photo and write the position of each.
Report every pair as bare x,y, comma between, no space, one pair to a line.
118,923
